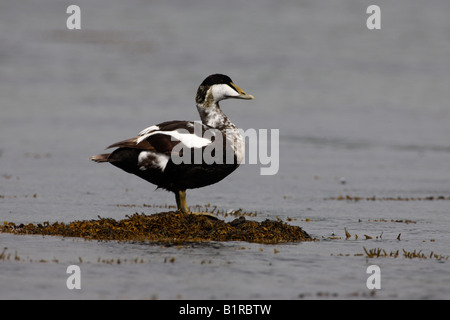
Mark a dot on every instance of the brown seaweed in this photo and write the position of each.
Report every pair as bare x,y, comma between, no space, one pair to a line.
167,227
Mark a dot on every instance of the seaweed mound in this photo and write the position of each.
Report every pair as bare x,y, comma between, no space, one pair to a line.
167,227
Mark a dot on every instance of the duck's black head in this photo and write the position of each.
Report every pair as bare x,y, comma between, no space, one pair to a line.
218,87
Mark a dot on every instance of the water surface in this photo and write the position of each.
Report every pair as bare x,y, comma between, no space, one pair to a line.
368,108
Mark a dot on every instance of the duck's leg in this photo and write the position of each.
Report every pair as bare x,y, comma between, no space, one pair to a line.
180,196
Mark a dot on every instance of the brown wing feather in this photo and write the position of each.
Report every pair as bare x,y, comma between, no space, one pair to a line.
159,143
132,143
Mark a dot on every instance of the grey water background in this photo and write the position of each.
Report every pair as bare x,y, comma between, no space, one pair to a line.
366,107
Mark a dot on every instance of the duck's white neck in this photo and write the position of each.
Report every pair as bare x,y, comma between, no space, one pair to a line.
213,116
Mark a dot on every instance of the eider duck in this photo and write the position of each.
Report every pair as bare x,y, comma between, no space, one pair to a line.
154,155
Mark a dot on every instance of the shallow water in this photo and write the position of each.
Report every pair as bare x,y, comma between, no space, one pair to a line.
368,108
